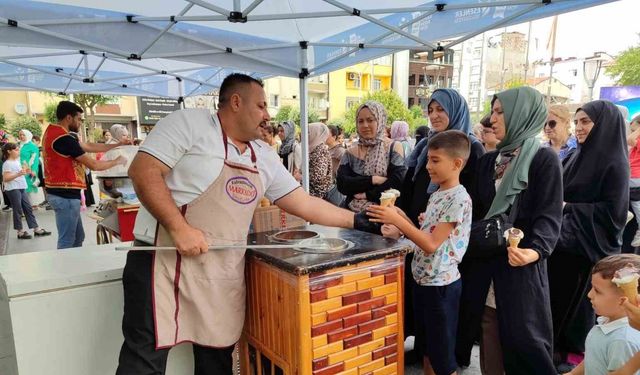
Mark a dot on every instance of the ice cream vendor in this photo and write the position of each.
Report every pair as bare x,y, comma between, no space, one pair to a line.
199,178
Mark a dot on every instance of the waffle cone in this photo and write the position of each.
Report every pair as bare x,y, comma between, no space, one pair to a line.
630,291
388,202
514,241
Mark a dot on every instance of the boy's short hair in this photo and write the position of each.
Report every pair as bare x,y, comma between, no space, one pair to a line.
608,266
453,142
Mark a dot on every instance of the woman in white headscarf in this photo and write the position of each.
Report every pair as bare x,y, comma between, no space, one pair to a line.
320,176
29,157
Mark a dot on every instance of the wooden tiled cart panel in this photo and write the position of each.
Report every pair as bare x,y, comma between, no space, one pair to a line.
343,321
354,319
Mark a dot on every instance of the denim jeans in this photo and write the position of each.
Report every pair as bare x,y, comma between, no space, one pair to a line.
68,221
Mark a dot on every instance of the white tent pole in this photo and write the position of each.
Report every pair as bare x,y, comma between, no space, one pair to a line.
275,17
206,80
74,72
68,38
236,6
85,59
181,91
495,25
304,128
251,7
368,45
380,23
210,6
98,67
167,28
304,120
54,54
376,39
224,48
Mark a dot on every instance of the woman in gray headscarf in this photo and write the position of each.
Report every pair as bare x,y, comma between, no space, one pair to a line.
373,164
290,151
119,134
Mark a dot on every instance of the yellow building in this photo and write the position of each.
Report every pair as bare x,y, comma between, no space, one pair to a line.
32,103
349,85
285,91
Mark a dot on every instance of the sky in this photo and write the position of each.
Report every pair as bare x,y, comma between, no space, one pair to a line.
610,28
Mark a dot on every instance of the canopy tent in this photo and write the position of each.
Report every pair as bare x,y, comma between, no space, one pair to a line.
174,48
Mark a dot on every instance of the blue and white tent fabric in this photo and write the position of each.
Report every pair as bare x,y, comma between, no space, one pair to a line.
176,48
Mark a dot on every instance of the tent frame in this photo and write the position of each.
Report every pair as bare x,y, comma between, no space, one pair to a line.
235,15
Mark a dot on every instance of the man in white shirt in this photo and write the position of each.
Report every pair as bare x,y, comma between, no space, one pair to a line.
199,178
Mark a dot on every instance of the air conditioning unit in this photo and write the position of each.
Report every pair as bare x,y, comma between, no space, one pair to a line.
352,76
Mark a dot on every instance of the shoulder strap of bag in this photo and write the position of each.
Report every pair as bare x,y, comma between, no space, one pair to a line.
513,213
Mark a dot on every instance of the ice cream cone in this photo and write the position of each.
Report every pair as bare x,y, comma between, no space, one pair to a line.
389,202
626,279
513,235
630,291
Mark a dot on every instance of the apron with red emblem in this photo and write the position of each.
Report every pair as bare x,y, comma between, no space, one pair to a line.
201,299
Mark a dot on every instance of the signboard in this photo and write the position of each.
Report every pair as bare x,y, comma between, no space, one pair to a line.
153,109
628,96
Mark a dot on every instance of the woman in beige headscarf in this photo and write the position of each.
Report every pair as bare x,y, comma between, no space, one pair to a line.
319,160
374,163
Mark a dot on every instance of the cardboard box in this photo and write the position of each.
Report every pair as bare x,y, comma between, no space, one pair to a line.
270,218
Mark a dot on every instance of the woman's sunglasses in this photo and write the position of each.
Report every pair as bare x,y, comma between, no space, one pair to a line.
551,124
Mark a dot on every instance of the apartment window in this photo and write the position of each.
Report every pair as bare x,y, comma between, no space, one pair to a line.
473,103
356,81
412,80
477,52
474,86
475,70
274,100
411,102
377,85
352,102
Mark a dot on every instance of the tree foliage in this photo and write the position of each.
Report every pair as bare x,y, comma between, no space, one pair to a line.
25,122
50,112
291,113
3,122
626,67
396,111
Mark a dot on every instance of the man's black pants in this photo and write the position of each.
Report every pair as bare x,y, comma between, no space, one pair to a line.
138,355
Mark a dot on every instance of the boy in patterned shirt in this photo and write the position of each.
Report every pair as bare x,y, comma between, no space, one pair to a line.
440,244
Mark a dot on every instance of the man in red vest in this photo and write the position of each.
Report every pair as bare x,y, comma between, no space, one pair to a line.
64,161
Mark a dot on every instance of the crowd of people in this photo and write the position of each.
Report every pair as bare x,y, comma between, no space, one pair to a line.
562,184
563,179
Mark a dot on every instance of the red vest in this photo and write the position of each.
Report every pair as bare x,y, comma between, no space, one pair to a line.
61,172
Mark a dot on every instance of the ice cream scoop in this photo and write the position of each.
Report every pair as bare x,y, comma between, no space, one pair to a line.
626,279
388,197
513,235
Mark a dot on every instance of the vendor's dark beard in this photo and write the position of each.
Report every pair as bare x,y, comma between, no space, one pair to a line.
74,128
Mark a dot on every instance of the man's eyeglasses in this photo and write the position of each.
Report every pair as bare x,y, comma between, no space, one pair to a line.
551,124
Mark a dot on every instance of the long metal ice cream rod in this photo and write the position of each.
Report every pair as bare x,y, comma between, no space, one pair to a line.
216,247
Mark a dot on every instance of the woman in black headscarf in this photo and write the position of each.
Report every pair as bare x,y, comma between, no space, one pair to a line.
448,110
596,193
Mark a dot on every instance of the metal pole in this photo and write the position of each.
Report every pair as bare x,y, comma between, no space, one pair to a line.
504,53
526,63
304,127
553,57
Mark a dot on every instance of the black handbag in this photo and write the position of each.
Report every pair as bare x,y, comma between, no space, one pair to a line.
486,238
